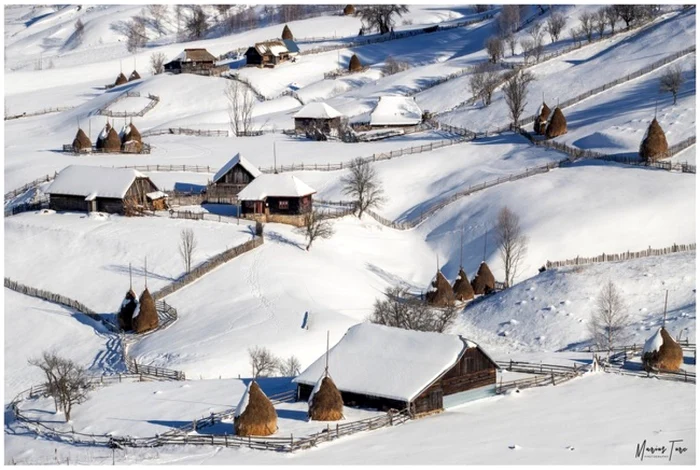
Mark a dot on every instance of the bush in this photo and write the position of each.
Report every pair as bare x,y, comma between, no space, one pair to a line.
402,310
392,66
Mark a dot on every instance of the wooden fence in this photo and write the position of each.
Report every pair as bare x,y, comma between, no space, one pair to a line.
605,258
145,149
42,203
154,100
31,185
186,131
39,113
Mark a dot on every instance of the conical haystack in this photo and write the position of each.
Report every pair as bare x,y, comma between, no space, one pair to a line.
483,282
132,133
126,311
355,64
121,79
134,76
81,143
654,145
349,10
440,292
662,353
255,415
146,316
287,33
112,143
557,125
463,288
326,402
540,125
131,140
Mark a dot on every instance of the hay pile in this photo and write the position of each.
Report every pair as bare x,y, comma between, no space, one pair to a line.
255,415
146,316
82,142
326,402
131,140
483,282
121,79
462,288
349,10
654,145
557,125
126,311
662,353
541,121
440,292
134,76
112,143
287,33
355,64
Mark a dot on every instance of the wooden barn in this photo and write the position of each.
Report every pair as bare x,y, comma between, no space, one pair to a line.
276,194
318,116
271,53
382,367
102,189
197,61
235,175
392,111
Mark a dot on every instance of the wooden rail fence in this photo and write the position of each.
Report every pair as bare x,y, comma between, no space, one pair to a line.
186,131
31,185
154,100
40,112
605,258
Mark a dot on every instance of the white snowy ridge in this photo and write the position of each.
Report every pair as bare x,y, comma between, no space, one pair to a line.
243,403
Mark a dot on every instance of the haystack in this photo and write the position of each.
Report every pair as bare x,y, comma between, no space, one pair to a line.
349,10
82,142
131,133
542,116
557,125
483,282
654,145
287,33
121,79
462,288
255,415
126,311
134,76
440,292
111,143
146,315
662,353
325,402
355,64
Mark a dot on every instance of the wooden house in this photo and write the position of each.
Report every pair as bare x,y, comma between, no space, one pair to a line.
197,61
235,175
382,367
271,53
318,116
281,194
392,111
102,189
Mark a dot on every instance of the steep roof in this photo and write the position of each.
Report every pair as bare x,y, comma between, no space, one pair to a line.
396,111
317,111
195,55
280,185
274,47
388,362
292,46
237,159
94,181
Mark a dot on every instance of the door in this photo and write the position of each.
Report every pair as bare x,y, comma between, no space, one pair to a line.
258,207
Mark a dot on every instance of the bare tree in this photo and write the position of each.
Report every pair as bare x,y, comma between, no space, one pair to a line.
587,26
599,22
402,310
609,319
158,12
672,80
575,36
363,185
381,17
512,41
515,91
289,367
240,107
262,361
482,8
79,31
611,17
527,45
393,66
484,81
537,34
494,48
555,25
136,34
196,24
511,243
509,19
628,13
157,63
188,244
66,381
316,226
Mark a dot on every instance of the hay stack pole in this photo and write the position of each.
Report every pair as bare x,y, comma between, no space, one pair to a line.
326,402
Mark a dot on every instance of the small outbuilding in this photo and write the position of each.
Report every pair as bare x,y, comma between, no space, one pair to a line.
318,117
662,353
198,61
392,111
111,190
382,367
235,175
271,53
276,194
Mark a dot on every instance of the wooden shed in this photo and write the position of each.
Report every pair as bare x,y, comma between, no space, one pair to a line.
318,117
113,190
382,367
271,53
276,194
235,175
197,61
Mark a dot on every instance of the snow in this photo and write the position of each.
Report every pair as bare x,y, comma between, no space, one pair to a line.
92,181
275,185
396,111
386,362
237,159
243,402
654,343
317,111
156,195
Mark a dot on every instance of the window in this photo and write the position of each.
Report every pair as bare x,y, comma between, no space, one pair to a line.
284,205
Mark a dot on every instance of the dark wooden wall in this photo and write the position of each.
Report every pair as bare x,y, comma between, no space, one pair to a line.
59,202
233,181
356,399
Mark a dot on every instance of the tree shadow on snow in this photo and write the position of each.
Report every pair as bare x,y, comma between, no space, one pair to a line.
137,272
276,237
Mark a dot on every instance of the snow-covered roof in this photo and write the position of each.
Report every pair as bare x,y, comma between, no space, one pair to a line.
156,195
387,362
94,181
275,185
194,55
317,111
396,111
249,167
274,47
